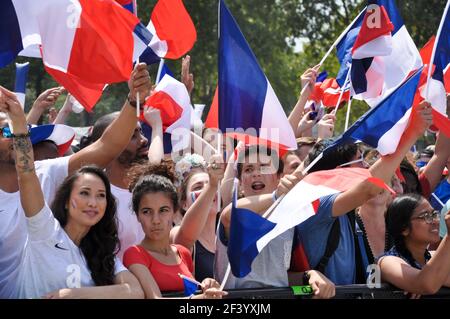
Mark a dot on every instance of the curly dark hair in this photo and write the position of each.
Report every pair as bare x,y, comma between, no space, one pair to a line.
154,183
101,243
166,169
398,219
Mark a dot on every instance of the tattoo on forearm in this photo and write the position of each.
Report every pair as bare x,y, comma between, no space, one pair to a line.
24,154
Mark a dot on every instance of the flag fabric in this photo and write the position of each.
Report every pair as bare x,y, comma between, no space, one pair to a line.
162,70
250,232
61,135
172,32
246,98
190,287
327,93
212,119
130,5
373,41
393,68
382,126
86,44
172,99
21,81
441,63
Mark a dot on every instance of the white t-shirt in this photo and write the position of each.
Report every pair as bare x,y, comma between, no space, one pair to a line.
130,230
13,233
51,260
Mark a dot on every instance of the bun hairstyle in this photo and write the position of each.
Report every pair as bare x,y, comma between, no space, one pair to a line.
166,169
152,179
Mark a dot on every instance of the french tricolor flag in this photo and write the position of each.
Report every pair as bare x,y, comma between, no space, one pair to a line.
386,54
85,44
328,92
250,232
438,82
130,5
20,86
61,135
172,99
373,41
246,99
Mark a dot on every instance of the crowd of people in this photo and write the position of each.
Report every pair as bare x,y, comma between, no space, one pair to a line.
115,217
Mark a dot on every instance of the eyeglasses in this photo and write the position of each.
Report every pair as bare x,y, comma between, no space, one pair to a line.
429,217
6,132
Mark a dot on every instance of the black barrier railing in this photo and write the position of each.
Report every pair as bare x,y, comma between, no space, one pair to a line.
385,291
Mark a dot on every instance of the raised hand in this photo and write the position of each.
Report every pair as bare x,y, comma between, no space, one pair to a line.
139,82
152,116
48,98
325,127
10,105
308,78
216,169
186,77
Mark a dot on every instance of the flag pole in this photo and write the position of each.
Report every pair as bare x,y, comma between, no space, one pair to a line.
341,36
438,199
347,78
430,66
138,102
347,117
158,75
219,151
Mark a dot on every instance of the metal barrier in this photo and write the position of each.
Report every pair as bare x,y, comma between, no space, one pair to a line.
386,291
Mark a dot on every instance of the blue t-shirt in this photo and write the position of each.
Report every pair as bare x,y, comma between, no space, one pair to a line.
442,191
313,234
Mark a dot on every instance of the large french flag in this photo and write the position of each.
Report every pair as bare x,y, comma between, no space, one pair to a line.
250,232
84,44
440,60
383,125
383,53
20,86
246,99
172,99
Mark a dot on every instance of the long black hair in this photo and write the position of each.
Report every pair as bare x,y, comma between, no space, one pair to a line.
101,243
398,219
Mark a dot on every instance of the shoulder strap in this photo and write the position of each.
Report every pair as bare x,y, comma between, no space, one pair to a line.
360,251
332,244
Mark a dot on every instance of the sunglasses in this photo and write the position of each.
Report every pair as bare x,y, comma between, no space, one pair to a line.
6,132
429,217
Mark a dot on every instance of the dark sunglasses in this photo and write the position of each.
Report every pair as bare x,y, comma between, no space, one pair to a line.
6,132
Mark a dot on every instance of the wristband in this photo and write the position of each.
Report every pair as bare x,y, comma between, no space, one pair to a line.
132,103
274,196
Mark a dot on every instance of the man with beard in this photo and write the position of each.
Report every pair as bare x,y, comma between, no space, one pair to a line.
51,173
130,231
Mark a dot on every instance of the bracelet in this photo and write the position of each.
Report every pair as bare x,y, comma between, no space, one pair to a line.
132,103
23,135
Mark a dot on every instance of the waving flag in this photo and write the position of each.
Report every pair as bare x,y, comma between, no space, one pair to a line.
21,81
250,233
172,99
172,32
327,93
246,98
382,126
393,68
435,89
61,135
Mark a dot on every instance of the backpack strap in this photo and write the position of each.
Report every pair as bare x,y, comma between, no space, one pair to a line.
332,244
361,261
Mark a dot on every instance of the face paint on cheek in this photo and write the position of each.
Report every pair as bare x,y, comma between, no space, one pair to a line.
74,205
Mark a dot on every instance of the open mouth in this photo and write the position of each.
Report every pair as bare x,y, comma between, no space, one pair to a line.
257,186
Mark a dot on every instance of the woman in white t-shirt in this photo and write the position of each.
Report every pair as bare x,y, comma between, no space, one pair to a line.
70,253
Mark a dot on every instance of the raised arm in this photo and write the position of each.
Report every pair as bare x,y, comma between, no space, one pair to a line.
118,134
385,167
31,196
197,215
64,111
156,149
44,101
307,78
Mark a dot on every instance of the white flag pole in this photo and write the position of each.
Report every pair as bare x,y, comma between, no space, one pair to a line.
347,117
347,79
430,67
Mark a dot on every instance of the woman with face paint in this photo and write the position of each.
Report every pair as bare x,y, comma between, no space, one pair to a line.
71,248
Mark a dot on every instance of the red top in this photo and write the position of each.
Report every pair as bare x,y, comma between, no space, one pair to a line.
166,276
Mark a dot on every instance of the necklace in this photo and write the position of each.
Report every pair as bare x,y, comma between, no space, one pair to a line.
360,222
